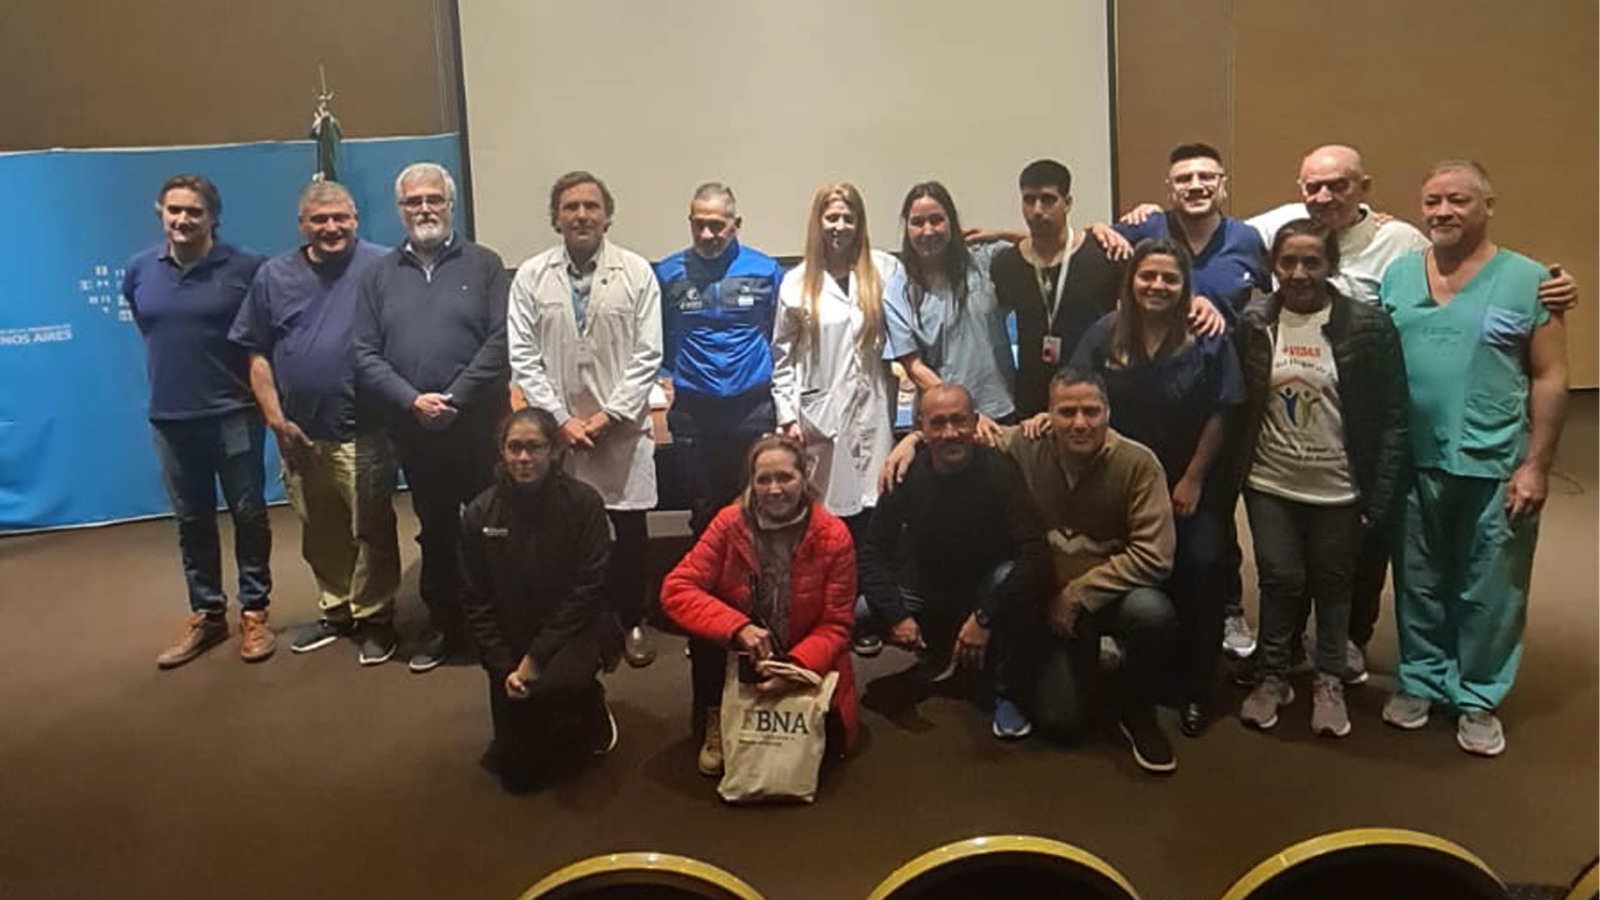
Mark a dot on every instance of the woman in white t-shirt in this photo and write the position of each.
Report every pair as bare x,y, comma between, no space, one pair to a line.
1323,456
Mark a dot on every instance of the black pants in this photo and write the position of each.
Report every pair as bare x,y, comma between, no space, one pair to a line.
1015,638
1366,590
559,715
1198,588
711,436
1146,624
445,470
628,575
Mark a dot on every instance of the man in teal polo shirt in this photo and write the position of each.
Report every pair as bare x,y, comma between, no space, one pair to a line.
1487,370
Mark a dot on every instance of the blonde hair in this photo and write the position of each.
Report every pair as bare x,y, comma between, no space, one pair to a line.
869,287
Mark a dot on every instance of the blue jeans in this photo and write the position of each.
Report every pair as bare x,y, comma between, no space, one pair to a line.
195,454
1147,626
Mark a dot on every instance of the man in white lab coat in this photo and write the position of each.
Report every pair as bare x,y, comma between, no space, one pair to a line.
583,327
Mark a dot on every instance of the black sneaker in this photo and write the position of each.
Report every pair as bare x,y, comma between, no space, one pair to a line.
866,644
377,643
1152,750
318,634
430,653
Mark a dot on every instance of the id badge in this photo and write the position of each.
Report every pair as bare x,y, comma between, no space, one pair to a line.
1050,352
584,354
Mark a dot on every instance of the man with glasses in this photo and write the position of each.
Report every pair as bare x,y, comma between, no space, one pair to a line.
1334,185
338,465
430,344
1229,257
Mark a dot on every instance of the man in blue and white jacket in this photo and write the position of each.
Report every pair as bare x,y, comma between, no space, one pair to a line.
717,302
718,299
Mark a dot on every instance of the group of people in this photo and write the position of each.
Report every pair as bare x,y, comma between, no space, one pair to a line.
1056,531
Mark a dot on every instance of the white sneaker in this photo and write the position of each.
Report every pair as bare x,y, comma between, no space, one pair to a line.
1260,709
1328,714
1406,711
1355,664
1237,639
1479,732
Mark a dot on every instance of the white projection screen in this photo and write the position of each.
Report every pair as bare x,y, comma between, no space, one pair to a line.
774,98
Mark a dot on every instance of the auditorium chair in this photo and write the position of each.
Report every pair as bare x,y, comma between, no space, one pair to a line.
1372,864
640,876
1013,867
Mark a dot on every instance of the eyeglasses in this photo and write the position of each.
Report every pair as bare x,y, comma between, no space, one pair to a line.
532,448
1333,186
1205,178
431,201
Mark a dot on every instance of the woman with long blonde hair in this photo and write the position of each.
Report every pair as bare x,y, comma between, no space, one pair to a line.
831,387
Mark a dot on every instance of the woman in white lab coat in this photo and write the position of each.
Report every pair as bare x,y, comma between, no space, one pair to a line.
831,387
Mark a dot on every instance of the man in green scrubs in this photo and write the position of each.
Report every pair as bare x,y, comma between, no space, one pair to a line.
1487,372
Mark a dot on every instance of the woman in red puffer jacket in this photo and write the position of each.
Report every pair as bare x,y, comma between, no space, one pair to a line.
774,574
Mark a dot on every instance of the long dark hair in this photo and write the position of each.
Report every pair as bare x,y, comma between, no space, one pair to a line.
1127,329
957,258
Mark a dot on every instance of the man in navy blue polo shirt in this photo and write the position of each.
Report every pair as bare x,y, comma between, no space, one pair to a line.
1229,259
297,324
184,295
430,344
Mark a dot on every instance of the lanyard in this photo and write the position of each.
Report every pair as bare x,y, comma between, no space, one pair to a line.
1052,304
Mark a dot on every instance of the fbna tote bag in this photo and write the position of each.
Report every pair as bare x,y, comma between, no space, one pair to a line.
772,747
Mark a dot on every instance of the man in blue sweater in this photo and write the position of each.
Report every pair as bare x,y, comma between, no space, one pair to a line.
184,295
338,464
430,345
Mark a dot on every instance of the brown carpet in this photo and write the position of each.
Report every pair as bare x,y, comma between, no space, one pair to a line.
307,776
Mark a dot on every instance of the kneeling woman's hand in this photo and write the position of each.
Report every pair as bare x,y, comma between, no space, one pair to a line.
777,686
754,640
518,679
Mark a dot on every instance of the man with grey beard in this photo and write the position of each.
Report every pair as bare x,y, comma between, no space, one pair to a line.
430,342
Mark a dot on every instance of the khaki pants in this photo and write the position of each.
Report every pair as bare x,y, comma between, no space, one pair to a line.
342,493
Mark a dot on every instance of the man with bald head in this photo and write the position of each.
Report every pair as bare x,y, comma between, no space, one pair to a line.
1486,367
979,562
1334,184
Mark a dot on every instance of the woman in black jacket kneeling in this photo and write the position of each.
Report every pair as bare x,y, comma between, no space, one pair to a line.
534,551
1324,452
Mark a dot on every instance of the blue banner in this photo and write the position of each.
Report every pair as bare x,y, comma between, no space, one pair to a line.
75,443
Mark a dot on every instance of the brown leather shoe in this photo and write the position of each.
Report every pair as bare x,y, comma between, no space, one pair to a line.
200,633
256,640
